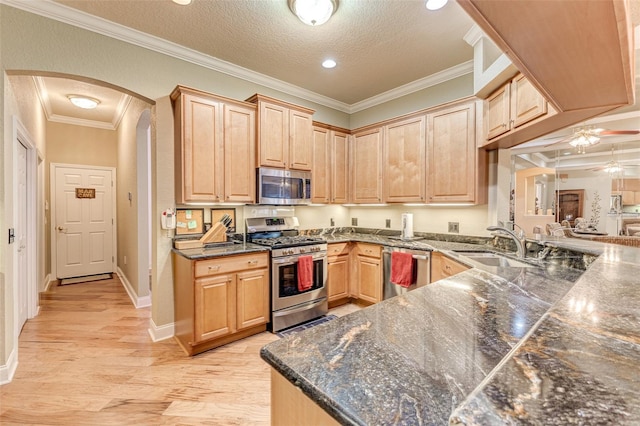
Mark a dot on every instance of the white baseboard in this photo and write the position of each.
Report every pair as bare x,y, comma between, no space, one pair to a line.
138,302
47,282
161,333
9,369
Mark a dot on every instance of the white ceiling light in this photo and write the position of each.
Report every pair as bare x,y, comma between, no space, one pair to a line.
83,101
182,2
435,4
313,12
329,63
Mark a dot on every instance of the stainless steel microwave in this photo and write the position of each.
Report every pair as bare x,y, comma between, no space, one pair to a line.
283,187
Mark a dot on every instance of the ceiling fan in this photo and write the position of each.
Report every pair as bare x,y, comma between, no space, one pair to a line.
586,136
613,167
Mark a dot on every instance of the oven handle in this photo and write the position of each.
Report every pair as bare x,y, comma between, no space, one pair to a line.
291,260
306,307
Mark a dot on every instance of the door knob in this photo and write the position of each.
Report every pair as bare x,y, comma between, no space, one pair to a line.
60,228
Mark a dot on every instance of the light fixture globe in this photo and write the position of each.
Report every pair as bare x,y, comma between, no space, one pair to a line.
313,12
83,102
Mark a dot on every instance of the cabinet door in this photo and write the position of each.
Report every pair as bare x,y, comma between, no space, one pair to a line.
369,276
443,267
300,134
214,307
321,166
526,102
339,168
404,161
366,166
452,154
239,155
273,144
497,114
338,277
253,298
201,150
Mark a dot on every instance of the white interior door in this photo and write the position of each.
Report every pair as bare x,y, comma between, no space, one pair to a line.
83,226
21,236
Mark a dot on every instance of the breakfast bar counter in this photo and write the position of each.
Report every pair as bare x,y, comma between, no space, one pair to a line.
536,345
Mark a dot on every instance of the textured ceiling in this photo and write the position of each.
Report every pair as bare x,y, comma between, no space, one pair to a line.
378,44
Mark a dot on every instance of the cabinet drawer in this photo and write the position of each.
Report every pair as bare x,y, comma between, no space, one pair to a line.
336,249
223,265
371,250
451,267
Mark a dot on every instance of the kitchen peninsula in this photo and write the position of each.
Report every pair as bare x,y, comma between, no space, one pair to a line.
541,345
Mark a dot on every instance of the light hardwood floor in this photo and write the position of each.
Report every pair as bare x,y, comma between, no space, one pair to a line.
87,359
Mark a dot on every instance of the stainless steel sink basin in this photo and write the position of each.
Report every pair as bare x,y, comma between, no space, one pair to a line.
495,259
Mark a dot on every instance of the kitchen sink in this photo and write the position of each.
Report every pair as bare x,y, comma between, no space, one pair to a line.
494,259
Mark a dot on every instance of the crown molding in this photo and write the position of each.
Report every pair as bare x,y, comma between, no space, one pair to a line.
43,96
415,86
68,15
125,100
81,122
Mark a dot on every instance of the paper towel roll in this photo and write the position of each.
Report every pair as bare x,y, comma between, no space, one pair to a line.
407,225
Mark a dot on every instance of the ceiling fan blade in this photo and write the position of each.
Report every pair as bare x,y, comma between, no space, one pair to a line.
618,132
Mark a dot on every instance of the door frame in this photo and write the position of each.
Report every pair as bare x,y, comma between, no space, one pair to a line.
53,167
21,136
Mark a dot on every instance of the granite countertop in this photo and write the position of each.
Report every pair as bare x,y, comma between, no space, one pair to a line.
227,249
537,345
426,243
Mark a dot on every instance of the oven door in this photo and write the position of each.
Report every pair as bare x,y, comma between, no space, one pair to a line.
284,281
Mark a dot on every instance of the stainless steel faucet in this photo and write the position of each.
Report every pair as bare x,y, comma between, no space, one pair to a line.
519,240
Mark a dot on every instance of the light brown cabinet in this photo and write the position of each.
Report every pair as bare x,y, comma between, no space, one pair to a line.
212,134
404,160
366,166
456,168
219,300
513,105
330,166
368,272
444,267
338,275
284,132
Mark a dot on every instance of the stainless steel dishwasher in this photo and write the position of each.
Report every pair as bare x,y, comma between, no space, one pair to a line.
422,273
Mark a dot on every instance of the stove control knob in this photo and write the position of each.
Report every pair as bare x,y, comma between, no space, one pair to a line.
303,250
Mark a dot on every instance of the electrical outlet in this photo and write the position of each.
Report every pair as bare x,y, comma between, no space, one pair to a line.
454,227
354,221
388,223
332,222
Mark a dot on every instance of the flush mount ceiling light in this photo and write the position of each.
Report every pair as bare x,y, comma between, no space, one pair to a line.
435,4
329,63
182,2
584,137
313,12
83,101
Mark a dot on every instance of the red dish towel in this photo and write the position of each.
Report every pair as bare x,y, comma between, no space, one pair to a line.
305,273
401,268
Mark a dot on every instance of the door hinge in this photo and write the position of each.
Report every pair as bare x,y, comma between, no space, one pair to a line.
112,221
112,259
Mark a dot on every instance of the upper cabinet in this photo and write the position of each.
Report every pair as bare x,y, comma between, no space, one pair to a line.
515,104
366,166
285,133
404,160
329,166
212,134
456,168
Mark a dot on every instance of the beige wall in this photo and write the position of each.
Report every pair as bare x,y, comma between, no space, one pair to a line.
127,183
70,144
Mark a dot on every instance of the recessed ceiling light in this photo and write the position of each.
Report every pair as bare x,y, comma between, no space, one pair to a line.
83,101
182,2
329,63
435,4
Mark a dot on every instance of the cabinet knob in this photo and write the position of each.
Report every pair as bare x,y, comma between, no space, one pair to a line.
253,262
214,268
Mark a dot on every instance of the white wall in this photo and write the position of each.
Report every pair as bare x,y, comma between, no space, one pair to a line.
592,182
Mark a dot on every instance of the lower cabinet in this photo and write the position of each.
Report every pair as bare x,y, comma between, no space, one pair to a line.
368,272
443,267
219,300
338,273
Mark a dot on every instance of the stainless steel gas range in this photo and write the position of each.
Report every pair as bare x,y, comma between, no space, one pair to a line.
291,302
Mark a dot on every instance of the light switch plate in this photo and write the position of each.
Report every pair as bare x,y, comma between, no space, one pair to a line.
388,223
354,221
454,227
